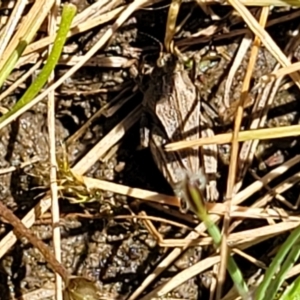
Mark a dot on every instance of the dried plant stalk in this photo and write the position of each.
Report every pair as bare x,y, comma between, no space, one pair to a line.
24,232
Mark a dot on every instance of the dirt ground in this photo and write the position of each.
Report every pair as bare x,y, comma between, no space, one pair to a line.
119,253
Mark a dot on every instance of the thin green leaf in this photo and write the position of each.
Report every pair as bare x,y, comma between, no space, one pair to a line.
29,28
286,266
194,198
68,14
10,63
261,291
292,291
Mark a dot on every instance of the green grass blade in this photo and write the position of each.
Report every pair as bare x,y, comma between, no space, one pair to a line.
194,198
292,292
27,31
10,63
286,266
68,14
275,265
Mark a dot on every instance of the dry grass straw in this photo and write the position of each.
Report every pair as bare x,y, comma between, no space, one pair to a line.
225,138
108,141
234,153
27,29
7,242
111,10
237,136
52,19
208,262
11,25
43,206
102,41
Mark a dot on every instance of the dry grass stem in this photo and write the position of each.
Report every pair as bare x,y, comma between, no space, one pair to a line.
24,232
108,110
243,240
182,43
281,72
22,165
225,138
93,183
94,10
31,23
108,141
239,57
45,203
105,62
10,26
237,199
260,110
19,81
107,17
265,38
105,37
53,165
234,154
90,23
